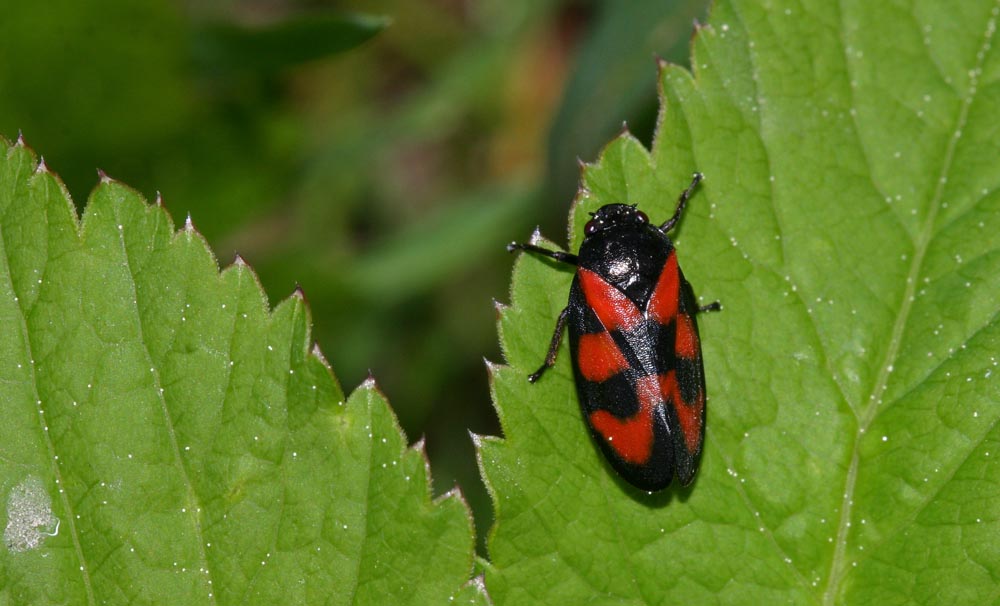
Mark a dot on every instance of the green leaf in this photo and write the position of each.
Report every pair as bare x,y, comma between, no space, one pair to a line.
610,82
848,224
168,439
297,39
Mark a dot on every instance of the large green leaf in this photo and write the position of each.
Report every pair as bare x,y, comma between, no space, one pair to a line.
849,225
168,439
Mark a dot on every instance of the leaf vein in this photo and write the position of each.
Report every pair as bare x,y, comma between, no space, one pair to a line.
902,525
925,237
195,508
762,525
49,444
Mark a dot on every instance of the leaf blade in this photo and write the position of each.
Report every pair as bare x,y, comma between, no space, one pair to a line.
193,444
859,302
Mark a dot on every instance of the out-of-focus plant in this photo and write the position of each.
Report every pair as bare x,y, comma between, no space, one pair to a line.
384,180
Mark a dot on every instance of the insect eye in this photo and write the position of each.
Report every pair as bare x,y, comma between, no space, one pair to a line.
591,227
642,217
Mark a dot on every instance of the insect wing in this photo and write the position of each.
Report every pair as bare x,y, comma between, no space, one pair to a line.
681,376
621,403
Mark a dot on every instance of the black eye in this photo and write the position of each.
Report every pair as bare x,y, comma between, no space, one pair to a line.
591,227
642,216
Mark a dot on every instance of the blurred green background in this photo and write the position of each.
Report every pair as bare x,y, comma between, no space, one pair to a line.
380,154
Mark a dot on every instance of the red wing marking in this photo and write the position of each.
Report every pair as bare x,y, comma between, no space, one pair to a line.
612,307
631,438
599,358
686,342
662,306
689,415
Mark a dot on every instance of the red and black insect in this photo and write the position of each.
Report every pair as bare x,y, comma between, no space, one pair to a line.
635,345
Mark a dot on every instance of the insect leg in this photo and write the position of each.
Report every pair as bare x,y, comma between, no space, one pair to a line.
562,257
681,202
550,358
713,306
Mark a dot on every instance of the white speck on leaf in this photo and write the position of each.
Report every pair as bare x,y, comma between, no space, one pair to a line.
29,516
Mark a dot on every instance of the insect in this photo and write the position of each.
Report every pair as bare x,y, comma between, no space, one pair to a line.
635,344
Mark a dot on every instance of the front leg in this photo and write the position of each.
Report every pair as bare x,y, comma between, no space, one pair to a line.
681,202
559,256
550,358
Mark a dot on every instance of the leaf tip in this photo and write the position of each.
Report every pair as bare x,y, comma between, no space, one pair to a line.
480,442
103,177
299,293
318,354
369,383
20,139
662,67
584,167
188,225
159,199
491,368
453,493
41,169
499,308
239,262
477,439
623,131
536,236
478,584
418,447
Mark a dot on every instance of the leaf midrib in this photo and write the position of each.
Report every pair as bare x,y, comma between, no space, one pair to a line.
921,245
